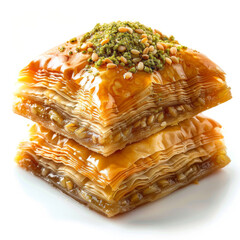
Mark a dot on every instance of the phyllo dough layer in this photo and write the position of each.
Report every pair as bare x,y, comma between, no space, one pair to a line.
106,107
140,173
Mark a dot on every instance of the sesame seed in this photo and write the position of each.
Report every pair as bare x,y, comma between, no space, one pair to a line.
164,45
144,35
160,46
151,48
175,59
129,30
111,65
122,48
168,60
123,59
146,50
157,31
89,44
104,41
107,60
154,51
94,57
135,52
140,31
173,50
122,29
140,66
128,75
145,56
144,40
136,60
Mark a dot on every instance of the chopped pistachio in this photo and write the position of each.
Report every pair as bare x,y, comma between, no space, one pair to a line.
98,63
133,70
73,40
119,42
90,50
61,49
147,69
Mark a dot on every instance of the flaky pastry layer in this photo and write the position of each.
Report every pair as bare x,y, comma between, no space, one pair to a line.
140,173
104,112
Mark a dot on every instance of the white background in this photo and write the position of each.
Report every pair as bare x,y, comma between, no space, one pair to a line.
31,209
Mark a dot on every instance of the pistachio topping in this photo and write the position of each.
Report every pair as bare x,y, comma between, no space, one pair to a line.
73,40
128,44
61,49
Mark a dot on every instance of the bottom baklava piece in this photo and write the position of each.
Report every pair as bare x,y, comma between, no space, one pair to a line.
140,173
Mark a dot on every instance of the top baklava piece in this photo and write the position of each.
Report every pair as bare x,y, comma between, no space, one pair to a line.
118,84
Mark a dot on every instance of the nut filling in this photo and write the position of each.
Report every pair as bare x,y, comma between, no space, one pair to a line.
158,119
116,116
160,188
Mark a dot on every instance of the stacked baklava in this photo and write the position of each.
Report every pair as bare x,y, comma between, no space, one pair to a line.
116,116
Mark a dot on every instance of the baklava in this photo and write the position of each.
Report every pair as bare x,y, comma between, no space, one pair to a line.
142,172
116,85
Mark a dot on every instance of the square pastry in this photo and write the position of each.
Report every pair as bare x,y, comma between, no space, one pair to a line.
116,85
140,173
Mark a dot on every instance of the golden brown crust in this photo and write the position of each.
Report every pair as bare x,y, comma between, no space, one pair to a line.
112,110
142,172
147,194
118,166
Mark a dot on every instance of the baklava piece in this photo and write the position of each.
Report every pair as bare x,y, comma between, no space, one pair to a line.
142,172
116,85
